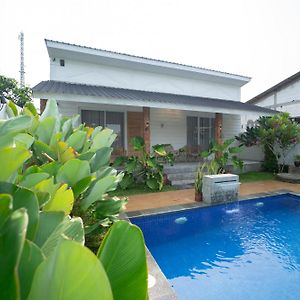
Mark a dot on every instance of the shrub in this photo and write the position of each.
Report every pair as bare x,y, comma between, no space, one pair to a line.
222,154
145,167
42,175
278,134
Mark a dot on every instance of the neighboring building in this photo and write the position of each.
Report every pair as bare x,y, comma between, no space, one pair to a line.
284,96
166,103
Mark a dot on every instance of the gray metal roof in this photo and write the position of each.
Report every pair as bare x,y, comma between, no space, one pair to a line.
60,87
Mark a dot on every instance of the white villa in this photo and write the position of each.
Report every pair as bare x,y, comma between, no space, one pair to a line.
166,103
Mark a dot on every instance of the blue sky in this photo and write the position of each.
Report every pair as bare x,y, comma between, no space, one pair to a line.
255,38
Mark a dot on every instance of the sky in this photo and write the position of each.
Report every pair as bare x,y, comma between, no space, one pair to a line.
255,38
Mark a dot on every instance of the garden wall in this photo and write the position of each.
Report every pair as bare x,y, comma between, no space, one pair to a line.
252,153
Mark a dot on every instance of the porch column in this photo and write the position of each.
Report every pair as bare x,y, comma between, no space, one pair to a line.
42,105
218,127
146,127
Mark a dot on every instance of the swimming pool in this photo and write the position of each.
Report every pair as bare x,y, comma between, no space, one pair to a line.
249,250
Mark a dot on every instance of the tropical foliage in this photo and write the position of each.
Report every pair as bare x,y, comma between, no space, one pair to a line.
277,134
47,167
222,154
145,167
10,90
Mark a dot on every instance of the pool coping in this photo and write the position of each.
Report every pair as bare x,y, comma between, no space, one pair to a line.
162,290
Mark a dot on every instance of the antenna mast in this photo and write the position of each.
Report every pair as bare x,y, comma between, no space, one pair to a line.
22,69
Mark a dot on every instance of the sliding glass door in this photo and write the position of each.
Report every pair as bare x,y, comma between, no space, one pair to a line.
200,131
109,119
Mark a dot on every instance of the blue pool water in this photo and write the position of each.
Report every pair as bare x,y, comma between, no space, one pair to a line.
249,250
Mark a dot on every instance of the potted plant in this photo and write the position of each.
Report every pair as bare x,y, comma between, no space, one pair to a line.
297,161
199,182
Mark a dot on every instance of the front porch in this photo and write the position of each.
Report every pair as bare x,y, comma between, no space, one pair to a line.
183,121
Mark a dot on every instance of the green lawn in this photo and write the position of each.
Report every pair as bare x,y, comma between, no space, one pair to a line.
140,189
256,176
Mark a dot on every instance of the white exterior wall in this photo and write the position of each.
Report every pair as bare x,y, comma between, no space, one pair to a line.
231,126
268,101
282,99
106,75
168,126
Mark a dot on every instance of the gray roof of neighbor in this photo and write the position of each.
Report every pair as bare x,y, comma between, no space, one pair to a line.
275,88
61,87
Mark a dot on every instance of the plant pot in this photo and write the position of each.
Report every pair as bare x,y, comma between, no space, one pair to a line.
165,179
198,196
297,163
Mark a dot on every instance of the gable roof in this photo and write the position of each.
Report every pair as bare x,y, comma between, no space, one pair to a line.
275,88
58,87
55,47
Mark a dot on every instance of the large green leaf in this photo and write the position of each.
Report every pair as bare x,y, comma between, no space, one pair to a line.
12,238
24,140
101,158
51,168
82,185
69,228
13,139
31,108
6,207
48,222
43,151
23,198
73,171
31,257
46,129
123,255
32,179
62,200
104,138
46,186
11,159
72,272
17,124
27,199
101,187
109,207
76,140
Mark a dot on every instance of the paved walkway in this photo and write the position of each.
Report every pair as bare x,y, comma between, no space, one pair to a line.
155,200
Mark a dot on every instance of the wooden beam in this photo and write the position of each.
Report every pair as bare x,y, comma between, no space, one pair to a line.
146,127
218,128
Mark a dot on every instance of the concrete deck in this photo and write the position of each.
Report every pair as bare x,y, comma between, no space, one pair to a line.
181,197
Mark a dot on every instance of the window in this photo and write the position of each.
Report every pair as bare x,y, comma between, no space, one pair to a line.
112,120
62,62
200,131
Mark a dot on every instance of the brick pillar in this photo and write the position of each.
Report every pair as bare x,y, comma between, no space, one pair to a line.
42,105
218,127
146,126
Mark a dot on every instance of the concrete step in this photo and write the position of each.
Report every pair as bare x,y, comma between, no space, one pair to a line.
182,176
182,168
183,182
